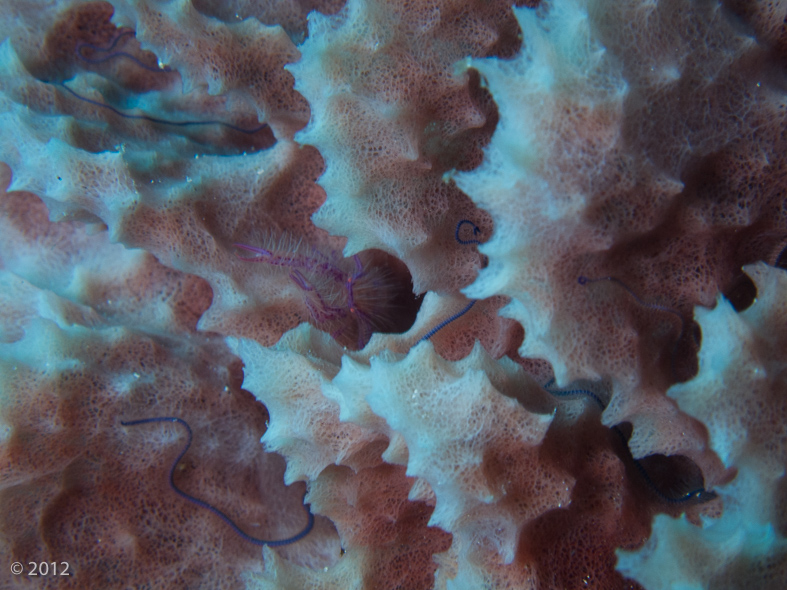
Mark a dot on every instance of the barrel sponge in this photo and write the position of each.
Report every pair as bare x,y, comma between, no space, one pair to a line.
471,432
188,223
766,20
240,60
123,286
80,488
319,420
517,491
574,546
562,92
738,395
445,412
621,155
305,425
601,167
617,163
187,212
386,541
739,391
741,548
390,117
291,16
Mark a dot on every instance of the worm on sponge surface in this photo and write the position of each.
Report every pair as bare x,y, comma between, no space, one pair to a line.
449,294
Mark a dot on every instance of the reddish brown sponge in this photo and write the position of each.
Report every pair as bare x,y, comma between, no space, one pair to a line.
84,39
243,61
70,260
291,16
483,242
391,118
373,516
80,488
574,546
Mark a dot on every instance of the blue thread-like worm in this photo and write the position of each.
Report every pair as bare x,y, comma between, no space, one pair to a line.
157,120
476,230
582,280
700,494
445,322
202,503
585,281
470,305
98,49
586,392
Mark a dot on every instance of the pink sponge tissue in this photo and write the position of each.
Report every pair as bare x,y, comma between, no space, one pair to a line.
393,295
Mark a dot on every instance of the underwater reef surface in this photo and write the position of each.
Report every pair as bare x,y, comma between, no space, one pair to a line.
393,295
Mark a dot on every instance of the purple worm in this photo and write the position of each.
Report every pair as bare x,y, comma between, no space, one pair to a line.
97,49
476,231
470,305
202,504
155,119
700,494
582,280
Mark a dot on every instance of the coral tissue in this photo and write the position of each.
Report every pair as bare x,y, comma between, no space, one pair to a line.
451,294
